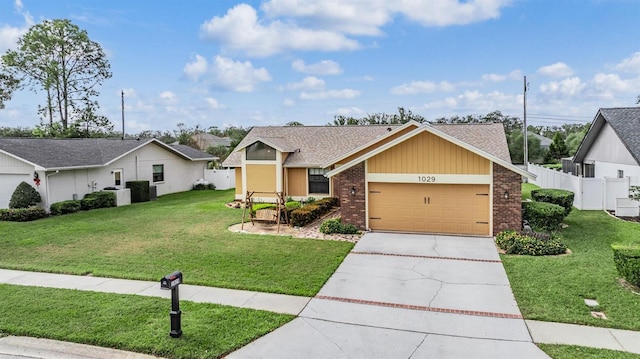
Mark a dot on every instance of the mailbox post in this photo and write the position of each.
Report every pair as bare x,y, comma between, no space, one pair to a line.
172,281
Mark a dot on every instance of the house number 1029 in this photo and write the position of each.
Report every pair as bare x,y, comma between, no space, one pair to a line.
426,179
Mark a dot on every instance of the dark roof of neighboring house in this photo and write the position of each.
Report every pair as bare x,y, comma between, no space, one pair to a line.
625,122
545,142
313,146
90,152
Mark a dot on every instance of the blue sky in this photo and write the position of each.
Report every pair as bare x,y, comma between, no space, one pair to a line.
228,63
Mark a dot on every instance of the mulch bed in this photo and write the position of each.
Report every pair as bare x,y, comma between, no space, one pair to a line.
628,219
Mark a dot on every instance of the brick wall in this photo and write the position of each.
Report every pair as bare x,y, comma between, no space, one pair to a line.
507,213
352,207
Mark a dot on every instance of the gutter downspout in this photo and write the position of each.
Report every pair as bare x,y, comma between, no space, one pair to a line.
47,188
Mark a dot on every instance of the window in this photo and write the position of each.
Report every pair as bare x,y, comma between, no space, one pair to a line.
158,173
589,170
620,174
318,183
260,152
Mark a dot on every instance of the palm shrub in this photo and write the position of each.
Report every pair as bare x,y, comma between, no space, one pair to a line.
24,196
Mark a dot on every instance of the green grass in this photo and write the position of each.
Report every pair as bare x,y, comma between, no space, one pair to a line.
553,288
526,190
185,231
130,322
572,352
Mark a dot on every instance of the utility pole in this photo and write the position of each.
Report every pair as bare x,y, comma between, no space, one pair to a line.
526,142
122,114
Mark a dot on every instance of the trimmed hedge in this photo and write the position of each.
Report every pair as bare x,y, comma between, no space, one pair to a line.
65,207
100,199
542,215
627,260
513,242
22,214
335,225
24,196
203,186
139,191
312,211
560,197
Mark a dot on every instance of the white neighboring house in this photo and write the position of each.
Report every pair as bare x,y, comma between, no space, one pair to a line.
611,148
64,169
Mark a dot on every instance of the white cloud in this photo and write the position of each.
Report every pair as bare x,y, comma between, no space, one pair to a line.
225,73
308,83
630,64
324,67
367,17
288,102
416,87
214,104
557,70
449,12
195,69
241,30
9,35
168,97
513,75
476,102
323,95
567,87
349,111
128,93
236,75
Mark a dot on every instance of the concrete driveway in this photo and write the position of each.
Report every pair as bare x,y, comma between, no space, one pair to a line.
408,296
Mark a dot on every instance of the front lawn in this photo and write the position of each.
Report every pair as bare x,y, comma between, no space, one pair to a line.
553,288
131,322
184,231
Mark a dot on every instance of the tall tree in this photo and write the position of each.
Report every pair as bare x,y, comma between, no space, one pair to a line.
8,84
557,149
403,116
58,57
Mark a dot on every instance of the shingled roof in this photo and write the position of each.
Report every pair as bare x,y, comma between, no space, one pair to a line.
625,122
313,146
50,153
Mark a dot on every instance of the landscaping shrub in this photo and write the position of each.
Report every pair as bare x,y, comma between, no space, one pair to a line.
22,214
101,199
65,207
203,186
139,191
310,212
560,197
513,242
24,196
335,225
627,260
543,216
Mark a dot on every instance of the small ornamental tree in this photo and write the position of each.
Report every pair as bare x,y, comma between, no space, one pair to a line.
24,196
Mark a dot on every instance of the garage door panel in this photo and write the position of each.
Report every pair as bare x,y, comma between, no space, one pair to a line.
433,208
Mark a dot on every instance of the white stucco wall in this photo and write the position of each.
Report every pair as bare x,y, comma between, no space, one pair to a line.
179,175
12,172
610,170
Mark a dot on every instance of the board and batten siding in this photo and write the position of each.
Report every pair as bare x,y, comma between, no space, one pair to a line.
296,182
428,154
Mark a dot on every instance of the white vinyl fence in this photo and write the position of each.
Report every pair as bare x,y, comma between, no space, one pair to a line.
222,179
590,193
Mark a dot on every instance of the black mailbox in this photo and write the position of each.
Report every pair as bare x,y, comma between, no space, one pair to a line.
171,281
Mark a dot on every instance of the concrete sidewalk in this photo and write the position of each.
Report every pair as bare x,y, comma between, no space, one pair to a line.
20,347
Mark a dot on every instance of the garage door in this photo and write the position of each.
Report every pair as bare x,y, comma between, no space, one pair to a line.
8,184
430,208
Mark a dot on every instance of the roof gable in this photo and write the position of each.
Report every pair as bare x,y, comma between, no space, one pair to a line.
625,122
496,156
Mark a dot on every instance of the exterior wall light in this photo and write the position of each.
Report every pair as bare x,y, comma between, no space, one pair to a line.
353,191
506,194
